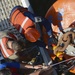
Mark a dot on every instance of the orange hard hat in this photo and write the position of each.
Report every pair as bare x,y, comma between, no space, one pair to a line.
32,34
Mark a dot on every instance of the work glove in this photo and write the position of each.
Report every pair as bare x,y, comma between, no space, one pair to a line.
51,41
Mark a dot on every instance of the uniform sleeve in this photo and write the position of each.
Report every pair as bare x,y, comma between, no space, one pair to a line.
2,66
10,64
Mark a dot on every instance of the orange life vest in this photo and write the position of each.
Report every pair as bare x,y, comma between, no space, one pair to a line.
6,52
20,21
24,24
62,15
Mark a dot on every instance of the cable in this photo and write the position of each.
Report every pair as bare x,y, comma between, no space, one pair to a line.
62,62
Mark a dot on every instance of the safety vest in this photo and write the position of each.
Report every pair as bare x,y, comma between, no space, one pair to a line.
61,17
20,21
6,52
24,24
4,49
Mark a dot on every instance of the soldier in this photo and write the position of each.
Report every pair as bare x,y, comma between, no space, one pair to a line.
24,21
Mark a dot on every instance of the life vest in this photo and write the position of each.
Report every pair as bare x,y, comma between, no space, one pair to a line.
24,24
6,52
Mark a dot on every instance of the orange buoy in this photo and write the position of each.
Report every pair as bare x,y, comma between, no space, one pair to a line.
62,15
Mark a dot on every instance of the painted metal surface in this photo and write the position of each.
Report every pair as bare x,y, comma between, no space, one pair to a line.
62,15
